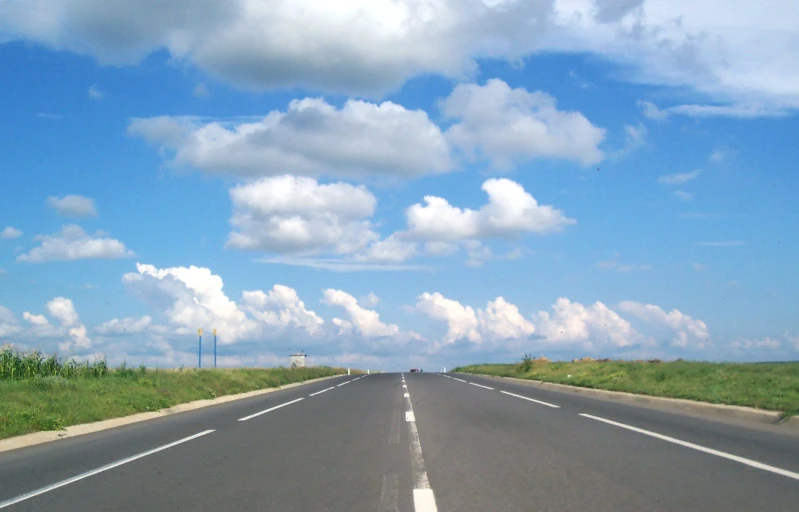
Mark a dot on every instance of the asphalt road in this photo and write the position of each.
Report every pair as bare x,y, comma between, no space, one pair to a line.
454,443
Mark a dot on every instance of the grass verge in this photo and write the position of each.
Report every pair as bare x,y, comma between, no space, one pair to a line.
767,386
51,402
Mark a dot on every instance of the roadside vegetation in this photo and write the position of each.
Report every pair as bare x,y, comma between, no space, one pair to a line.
771,386
46,393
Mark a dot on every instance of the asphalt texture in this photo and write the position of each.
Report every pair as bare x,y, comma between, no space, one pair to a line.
358,447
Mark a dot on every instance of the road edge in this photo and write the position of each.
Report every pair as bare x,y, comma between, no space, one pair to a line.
733,412
34,438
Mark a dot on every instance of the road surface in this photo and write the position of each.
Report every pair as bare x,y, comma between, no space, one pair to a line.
411,442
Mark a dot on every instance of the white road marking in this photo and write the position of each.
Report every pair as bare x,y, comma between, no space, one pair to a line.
339,385
320,392
406,395
409,416
405,386
532,400
717,453
93,472
389,495
459,380
251,416
424,500
481,386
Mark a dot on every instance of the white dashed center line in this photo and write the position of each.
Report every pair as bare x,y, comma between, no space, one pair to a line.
423,498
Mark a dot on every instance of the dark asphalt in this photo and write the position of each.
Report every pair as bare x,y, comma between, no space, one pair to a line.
349,449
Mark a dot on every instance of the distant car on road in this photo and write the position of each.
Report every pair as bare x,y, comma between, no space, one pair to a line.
414,370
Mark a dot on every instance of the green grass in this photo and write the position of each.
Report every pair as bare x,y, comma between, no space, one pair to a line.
51,400
772,387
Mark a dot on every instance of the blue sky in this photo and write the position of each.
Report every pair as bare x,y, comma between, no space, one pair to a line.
389,186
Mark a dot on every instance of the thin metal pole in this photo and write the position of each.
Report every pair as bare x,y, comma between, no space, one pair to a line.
214,348
200,349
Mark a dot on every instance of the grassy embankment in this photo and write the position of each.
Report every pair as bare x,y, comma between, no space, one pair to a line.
766,386
38,393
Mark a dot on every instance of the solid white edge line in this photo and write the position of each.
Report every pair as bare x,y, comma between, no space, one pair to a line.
424,500
251,416
93,472
320,392
481,386
531,399
711,451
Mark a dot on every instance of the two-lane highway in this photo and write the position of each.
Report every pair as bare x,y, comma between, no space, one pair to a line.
411,442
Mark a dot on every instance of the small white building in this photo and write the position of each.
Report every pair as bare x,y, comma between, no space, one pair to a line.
298,360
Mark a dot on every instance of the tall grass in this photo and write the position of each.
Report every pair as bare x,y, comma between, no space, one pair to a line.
771,386
18,366
46,393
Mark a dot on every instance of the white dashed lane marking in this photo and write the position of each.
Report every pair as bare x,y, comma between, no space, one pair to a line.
531,399
717,453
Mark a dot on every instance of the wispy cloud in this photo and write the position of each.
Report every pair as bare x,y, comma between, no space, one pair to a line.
339,265
728,243
651,111
682,195
679,178
721,154
695,215
740,110
48,115
634,139
623,268
95,93
201,91
699,267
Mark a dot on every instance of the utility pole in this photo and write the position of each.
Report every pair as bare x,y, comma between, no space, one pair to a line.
200,348
214,348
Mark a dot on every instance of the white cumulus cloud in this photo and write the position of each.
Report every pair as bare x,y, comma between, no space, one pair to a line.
73,206
312,138
505,125
589,327
510,211
687,332
71,331
73,243
281,306
10,232
288,214
373,46
366,321
193,297
499,321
